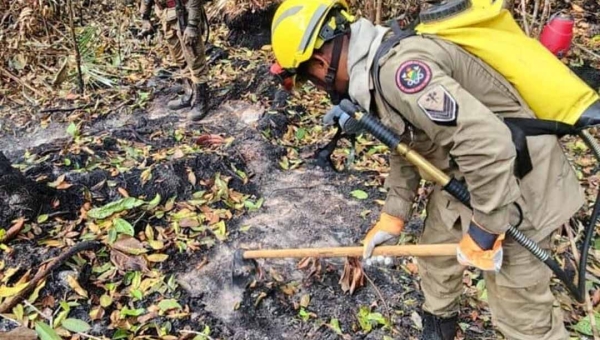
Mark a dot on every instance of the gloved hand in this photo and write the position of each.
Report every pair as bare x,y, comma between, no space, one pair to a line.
481,249
388,227
190,35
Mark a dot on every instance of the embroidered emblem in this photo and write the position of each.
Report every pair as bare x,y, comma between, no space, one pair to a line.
412,76
439,106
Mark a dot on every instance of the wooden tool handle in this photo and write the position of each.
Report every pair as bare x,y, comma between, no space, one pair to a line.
408,250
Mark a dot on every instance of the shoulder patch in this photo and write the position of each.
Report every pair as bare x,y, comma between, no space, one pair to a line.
439,105
413,76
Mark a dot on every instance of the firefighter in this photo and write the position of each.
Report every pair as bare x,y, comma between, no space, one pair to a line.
186,48
448,104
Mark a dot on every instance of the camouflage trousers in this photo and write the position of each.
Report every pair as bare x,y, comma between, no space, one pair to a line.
191,59
519,296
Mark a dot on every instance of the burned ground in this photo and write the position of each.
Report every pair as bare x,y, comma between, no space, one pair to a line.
244,178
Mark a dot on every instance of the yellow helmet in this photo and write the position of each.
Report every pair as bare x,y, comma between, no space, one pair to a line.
301,26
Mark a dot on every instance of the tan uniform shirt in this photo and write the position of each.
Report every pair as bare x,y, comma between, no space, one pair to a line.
453,104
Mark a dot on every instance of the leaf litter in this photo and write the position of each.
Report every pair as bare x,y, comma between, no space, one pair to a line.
170,202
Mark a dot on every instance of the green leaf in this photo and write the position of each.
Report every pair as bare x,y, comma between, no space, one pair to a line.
42,218
18,312
120,334
137,294
220,230
45,331
254,206
168,304
132,312
300,133
112,236
304,315
123,227
76,325
482,290
597,244
154,203
584,326
114,207
361,195
368,320
105,301
334,324
72,129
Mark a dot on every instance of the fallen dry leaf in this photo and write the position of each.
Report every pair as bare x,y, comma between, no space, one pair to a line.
20,333
210,140
129,245
352,276
305,300
191,177
178,154
74,284
313,264
275,275
412,268
147,317
189,223
123,192
128,262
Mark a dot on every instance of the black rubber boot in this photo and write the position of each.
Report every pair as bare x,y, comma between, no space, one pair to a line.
200,102
183,101
437,328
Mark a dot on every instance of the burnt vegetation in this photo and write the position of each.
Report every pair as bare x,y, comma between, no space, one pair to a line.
169,201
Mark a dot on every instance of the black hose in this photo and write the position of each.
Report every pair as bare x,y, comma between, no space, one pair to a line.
591,227
457,189
380,131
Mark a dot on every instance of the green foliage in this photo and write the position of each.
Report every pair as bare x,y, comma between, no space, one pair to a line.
369,320
114,207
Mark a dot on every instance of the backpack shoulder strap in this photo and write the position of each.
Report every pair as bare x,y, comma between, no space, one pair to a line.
386,45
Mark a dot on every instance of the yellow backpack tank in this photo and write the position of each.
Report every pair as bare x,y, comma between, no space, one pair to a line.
488,31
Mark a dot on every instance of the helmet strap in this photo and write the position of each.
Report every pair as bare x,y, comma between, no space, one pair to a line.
338,43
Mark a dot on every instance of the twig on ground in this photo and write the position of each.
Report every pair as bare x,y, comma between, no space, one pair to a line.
48,318
13,77
588,302
66,109
545,14
536,8
75,47
9,319
524,16
45,270
89,336
587,50
387,308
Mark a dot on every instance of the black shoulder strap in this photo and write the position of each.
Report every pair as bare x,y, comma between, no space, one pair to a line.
385,47
520,128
